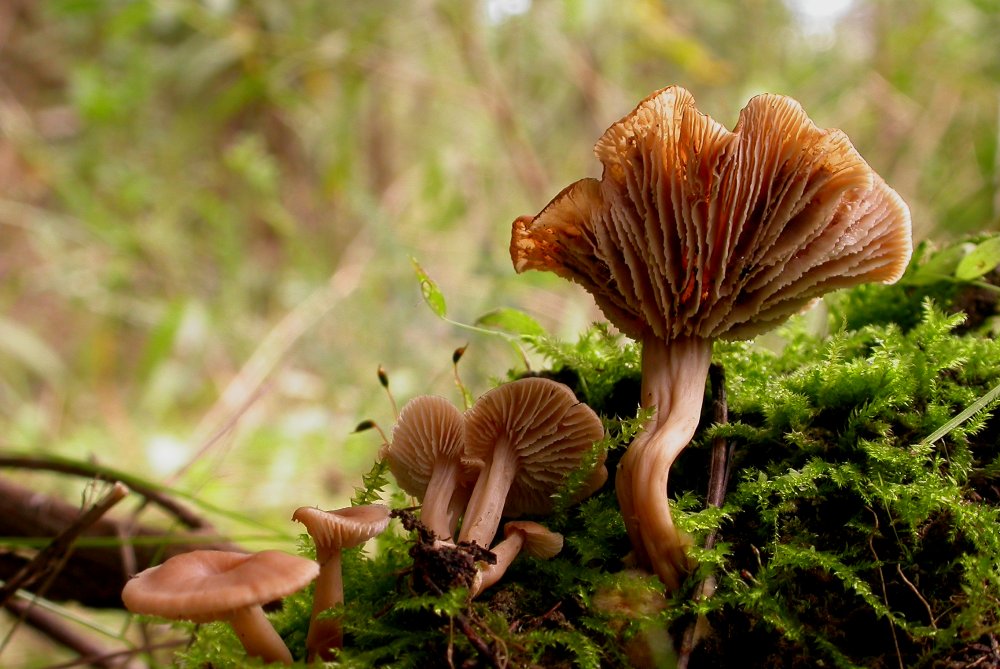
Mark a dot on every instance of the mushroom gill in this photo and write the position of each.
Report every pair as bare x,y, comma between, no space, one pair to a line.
695,233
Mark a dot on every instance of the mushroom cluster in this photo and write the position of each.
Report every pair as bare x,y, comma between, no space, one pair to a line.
695,233
504,457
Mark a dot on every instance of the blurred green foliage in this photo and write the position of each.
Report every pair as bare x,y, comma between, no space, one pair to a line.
208,207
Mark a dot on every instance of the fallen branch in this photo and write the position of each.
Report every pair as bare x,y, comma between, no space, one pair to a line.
58,549
101,473
92,575
54,627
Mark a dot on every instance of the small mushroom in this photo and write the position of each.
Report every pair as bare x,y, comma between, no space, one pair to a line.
695,233
426,458
205,586
530,434
520,536
333,532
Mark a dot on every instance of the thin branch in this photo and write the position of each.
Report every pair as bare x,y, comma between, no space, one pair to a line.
128,653
95,471
249,383
497,100
54,627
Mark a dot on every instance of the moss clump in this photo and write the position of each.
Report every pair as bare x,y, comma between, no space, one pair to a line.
860,526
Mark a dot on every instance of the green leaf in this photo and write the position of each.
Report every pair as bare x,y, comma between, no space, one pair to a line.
980,260
941,266
513,321
432,295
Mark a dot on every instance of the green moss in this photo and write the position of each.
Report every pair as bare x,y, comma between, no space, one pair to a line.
848,538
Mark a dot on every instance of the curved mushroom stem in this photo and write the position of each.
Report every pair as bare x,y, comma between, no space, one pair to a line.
506,551
673,380
482,515
326,633
258,636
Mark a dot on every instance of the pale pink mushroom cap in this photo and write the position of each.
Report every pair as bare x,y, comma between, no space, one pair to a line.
427,458
203,586
530,434
343,528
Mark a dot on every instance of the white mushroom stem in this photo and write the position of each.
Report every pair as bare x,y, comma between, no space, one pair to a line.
326,633
258,636
673,381
436,512
505,551
482,515
456,507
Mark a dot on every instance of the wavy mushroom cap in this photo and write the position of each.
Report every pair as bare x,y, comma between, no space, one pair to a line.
697,231
203,585
343,528
550,430
429,429
539,541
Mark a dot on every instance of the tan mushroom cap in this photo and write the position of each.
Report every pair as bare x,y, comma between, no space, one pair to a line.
343,528
203,586
429,429
697,231
549,428
539,541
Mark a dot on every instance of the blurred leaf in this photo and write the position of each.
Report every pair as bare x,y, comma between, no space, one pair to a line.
30,350
513,321
941,267
432,295
980,260
160,343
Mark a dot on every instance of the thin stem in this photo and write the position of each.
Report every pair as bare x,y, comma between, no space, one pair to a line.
482,516
258,636
326,633
435,512
506,551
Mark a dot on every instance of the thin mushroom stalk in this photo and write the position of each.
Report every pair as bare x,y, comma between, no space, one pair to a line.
258,636
333,532
673,382
326,632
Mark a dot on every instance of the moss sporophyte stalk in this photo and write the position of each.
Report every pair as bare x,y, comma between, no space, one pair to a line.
861,476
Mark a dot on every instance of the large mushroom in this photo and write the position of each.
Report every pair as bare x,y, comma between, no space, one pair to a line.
426,456
333,532
205,586
695,233
530,434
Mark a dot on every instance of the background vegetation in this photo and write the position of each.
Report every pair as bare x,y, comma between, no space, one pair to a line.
208,207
